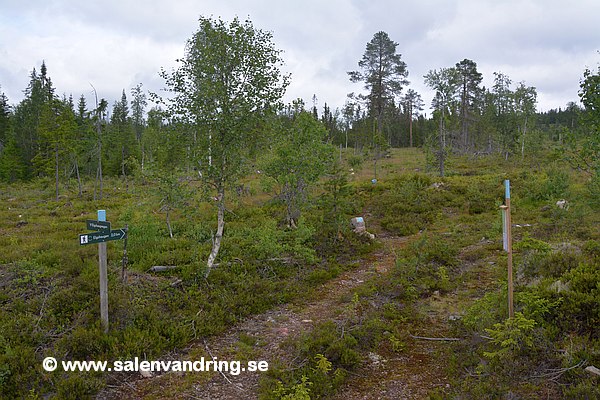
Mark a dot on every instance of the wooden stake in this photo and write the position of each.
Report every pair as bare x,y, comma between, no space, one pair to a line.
102,258
509,250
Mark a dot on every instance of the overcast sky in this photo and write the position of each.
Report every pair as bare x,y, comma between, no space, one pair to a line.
116,44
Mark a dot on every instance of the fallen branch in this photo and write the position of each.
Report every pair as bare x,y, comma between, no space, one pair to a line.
442,339
163,268
557,373
221,372
177,282
37,324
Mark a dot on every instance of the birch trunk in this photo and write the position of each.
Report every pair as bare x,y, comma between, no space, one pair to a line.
220,224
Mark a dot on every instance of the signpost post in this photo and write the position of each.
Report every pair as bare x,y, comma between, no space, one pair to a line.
102,259
507,244
102,234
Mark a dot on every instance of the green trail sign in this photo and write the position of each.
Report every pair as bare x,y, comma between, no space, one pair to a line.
103,236
101,226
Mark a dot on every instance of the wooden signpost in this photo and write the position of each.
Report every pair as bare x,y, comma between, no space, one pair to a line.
102,234
507,244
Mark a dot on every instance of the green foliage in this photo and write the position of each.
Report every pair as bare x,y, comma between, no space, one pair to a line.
553,184
299,391
355,161
298,159
580,305
409,205
262,239
512,339
76,386
549,263
11,163
329,355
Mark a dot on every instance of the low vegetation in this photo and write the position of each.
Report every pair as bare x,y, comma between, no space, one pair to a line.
50,285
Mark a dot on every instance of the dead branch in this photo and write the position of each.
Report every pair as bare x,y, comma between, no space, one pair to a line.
442,339
162,268
556,373
221,372
37,323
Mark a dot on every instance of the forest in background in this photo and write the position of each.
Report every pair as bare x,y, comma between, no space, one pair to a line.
50,135
287,179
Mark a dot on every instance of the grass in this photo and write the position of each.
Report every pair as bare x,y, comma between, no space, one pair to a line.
50,283
456,252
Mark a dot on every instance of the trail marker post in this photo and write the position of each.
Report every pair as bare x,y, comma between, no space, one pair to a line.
103,261
102,234
507,244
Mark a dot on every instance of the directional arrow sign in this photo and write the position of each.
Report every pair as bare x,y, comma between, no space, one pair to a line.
99,237
101,226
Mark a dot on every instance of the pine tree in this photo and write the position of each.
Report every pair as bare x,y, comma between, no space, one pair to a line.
413,105
469,93
138,107
27,118
121,138
384,74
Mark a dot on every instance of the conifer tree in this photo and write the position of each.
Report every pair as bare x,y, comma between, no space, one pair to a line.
469,93
383,73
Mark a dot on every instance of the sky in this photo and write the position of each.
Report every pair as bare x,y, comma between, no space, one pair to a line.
116,44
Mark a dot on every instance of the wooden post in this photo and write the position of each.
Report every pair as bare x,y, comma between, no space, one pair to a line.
504,233
509,249
102,258
125,260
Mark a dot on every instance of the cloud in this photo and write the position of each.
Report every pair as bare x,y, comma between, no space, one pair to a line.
116,44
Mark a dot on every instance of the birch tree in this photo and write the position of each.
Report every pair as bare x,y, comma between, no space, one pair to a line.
226,83
525,102
444,81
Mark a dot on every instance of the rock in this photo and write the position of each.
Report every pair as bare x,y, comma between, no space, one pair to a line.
562,204
566,247
146,374
593,370
375,359
358,223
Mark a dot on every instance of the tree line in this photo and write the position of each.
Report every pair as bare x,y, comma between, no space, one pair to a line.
48,135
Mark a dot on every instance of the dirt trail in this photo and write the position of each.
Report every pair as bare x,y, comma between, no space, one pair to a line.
411,375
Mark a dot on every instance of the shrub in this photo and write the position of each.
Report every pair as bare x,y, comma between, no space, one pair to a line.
512,339
580,307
